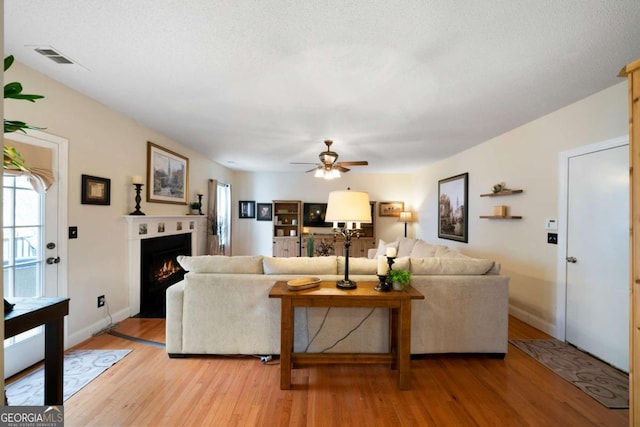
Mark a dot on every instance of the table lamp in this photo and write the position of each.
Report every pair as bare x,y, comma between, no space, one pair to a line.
350,208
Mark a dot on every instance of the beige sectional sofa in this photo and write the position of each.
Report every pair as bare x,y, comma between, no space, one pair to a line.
222,305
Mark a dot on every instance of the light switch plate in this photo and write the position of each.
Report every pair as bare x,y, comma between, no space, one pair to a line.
550,224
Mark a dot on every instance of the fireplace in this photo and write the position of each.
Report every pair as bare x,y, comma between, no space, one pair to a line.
159,270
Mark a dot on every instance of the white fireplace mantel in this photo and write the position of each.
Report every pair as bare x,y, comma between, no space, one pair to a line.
149,226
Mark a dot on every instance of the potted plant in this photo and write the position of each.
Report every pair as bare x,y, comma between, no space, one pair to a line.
400,279
13,90
195,208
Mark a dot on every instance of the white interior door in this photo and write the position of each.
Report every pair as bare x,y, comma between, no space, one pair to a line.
31,226
597,302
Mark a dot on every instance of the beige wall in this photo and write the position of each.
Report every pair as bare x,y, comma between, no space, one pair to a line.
526,158
107,144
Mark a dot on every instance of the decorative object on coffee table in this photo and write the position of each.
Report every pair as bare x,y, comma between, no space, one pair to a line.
352,209
400,279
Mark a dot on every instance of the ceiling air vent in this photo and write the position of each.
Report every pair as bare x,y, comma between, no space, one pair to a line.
53,55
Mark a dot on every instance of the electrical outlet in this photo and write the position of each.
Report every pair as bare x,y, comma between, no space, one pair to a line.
552,238
101,301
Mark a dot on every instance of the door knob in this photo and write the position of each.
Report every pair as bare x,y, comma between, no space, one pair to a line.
52,260
572,259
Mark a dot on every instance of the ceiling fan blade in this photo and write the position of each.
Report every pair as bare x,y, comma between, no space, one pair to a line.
341,168
302,163
314,169
359,163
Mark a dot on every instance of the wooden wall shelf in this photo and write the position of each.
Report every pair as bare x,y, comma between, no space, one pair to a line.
502,193
500,217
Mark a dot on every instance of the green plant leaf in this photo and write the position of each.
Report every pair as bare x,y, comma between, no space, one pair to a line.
8,61
12,89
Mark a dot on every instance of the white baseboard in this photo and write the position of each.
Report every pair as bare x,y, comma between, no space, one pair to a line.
86,333
533,320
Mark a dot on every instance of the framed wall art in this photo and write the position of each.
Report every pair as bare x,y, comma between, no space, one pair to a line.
247,209
167,176
265,212
391,208
453,210
95,190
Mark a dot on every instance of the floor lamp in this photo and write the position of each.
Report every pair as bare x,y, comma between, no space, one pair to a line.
405,217
350,208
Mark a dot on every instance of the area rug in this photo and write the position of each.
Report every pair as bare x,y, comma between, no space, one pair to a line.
80,368
599,380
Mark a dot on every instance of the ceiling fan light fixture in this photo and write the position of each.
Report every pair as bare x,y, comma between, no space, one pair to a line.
319,173
335,173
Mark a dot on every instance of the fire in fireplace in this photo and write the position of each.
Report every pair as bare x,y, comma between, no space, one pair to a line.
159,270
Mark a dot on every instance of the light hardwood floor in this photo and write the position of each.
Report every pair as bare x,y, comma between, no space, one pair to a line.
147,388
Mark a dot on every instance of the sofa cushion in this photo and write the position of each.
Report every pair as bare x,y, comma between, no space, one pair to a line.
450,266
222,264
300,265
382,247
405,246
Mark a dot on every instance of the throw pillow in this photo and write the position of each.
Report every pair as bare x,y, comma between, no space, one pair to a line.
382,247
405,246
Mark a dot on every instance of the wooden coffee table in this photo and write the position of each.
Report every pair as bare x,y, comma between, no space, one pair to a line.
327,295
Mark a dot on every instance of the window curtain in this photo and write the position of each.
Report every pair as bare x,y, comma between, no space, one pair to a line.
213,237
38,160
218,218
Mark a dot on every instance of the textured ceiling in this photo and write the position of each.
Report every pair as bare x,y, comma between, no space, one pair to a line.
255,85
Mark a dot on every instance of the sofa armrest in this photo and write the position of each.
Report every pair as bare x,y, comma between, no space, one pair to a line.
173,325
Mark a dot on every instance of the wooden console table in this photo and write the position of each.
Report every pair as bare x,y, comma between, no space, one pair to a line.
327,295
29,313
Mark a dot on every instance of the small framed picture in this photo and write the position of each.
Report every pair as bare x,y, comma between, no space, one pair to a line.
247,209
95,190
391,208
264,212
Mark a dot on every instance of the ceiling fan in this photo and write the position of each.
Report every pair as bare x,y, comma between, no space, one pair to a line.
329,167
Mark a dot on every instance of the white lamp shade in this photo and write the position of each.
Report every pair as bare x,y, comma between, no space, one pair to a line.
348,206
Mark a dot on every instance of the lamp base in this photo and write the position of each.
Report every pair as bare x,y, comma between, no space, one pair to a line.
346,284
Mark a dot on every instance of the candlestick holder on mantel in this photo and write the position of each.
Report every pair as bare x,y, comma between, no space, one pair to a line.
200,203
138,200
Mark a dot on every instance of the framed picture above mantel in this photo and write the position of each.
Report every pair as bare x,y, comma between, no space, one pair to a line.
453,211
167,176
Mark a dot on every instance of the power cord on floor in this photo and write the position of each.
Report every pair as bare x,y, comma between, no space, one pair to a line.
110,326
